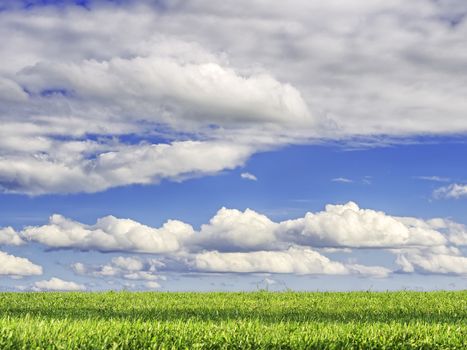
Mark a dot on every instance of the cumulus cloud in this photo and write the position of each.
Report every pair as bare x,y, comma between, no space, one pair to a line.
248,242
57,284
17,267
350,226
451,191
110,234
338,226
442,260
454,232
194,76
294,260
130,268
248,176
9,236
231,229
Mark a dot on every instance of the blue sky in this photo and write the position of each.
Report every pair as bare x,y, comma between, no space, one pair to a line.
327,158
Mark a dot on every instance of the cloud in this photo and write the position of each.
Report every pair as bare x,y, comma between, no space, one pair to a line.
136,164
199,92
231,229
11,91
451,191
372,64
350,226
248,242
152,285
342,180
193,77
110,234
130,268
248,176
38,158
192,99
454,232
57,284
294,260
338,226
438,261
433,178
9,236
17,267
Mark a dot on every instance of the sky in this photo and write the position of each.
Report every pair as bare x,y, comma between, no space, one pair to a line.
233,146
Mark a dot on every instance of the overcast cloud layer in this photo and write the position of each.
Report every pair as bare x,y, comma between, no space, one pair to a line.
188,89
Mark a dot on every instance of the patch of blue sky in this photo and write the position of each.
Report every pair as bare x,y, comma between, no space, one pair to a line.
292,181
53,92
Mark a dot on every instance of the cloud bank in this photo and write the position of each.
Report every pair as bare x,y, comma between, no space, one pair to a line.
185,90
249,242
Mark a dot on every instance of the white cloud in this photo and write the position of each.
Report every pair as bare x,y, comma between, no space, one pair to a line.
367,68
204,91
371,271
195,72
9,236
57,284
455,232
128,263
451,191
247,242
339,226
130,268
438,261
137,164
294,260
110,234
231,229
433,178
350,226
167,84
248,176
152,285
342,180
16,267
336,250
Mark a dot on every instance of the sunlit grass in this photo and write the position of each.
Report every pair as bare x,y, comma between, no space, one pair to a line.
125,320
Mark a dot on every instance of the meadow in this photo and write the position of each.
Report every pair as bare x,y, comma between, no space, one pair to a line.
257,320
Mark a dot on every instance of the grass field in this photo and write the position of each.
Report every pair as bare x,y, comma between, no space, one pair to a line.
126,320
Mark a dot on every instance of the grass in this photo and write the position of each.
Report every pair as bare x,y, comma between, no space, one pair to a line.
259,320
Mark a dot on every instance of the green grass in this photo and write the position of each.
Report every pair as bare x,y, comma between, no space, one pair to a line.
125,320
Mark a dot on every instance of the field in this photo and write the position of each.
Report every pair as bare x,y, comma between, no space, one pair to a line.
259,320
